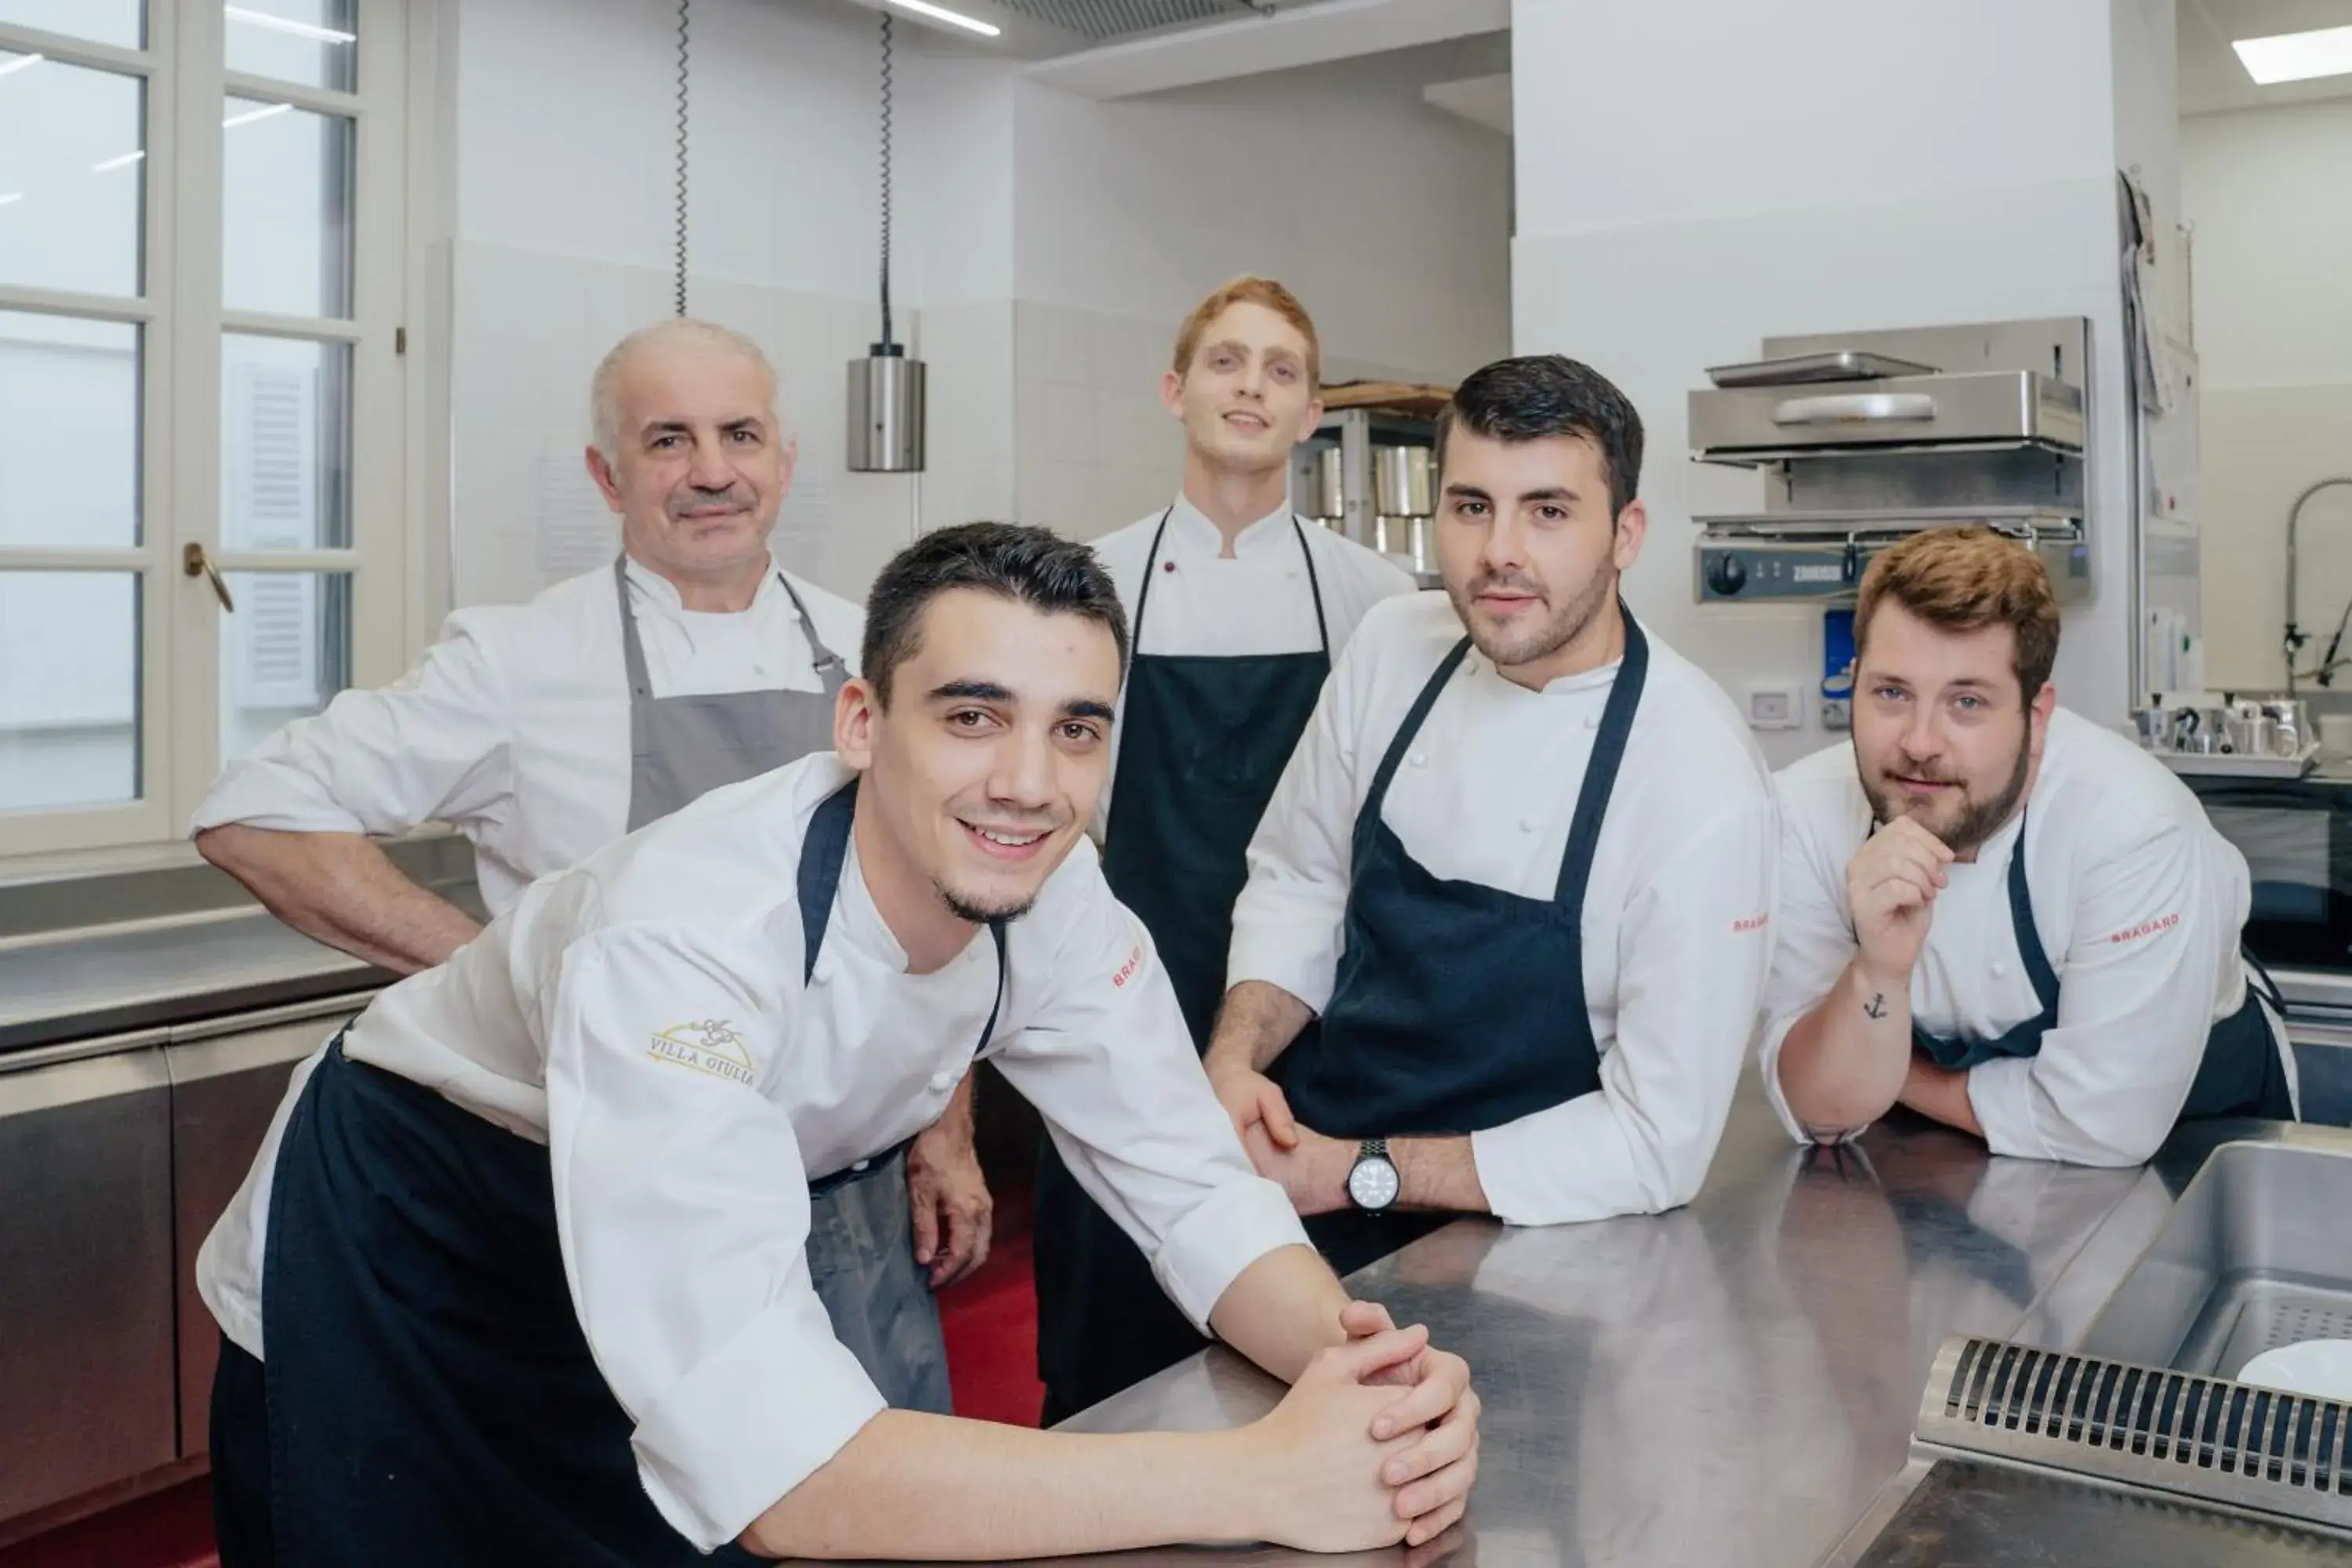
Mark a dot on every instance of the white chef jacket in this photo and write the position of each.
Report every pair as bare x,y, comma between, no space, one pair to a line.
645,1017
515,728
1676,917
2137,900
1257,602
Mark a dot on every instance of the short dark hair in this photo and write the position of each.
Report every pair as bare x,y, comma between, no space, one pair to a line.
1031,566
1539,395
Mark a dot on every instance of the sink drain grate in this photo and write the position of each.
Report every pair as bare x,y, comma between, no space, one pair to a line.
2204,1437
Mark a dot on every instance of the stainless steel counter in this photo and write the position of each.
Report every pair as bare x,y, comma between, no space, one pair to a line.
106,957
1730,1382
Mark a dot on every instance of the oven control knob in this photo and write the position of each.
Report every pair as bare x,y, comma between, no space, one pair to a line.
1727,574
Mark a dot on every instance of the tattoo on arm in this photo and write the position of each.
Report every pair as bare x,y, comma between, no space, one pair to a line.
1876,1007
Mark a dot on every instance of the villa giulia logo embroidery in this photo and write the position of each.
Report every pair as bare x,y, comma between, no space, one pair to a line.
711,1046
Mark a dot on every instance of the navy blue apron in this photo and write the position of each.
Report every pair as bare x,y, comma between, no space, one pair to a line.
1456,1006
428,1395
1203,740
2241,1074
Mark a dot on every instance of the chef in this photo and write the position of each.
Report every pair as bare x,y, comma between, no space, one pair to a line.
545,731
1238,608
520,1276
1505,928
1994,911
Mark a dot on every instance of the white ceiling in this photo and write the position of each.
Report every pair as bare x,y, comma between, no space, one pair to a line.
2211,78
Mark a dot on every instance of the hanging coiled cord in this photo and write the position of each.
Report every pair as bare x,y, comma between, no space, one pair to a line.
680,243
886,178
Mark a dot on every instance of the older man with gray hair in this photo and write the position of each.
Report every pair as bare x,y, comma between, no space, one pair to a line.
543,731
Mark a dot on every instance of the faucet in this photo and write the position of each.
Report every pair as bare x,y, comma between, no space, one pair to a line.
2296,637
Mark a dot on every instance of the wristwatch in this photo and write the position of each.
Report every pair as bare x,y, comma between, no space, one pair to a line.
1372,1182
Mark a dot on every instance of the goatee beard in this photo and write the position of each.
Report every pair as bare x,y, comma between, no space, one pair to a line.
978,914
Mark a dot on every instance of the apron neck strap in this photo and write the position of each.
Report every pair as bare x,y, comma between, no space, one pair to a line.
1601,770
633,651
1151,560
2020,921
830,671
1143,594
823,854
1430,691
1314,587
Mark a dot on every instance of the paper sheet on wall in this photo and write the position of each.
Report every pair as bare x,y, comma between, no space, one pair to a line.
572,530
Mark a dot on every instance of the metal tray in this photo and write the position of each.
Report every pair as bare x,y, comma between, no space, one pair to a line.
2253,1256
1795,369
2221,765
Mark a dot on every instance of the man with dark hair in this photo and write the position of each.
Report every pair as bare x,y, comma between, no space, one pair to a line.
1239,609
1993,911
1504,933
521,1276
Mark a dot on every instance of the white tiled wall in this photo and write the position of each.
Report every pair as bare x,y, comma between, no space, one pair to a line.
969,458
1094,448
529,329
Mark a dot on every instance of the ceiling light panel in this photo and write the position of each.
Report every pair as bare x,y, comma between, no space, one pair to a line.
2298,57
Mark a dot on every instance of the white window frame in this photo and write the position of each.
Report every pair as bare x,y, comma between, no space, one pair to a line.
182,320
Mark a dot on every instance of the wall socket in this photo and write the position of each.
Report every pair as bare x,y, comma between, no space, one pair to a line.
1837,712
1776,707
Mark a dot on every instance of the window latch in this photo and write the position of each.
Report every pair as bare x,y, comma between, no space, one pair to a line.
194,562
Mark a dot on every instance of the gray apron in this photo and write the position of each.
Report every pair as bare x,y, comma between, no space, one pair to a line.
861,1248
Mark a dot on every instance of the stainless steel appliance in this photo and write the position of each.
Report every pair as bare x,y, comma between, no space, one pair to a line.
1865,439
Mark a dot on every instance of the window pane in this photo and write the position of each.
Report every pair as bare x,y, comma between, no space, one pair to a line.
285,424
68,688
284,652
119,22
71,171
305,41
285,242
69,431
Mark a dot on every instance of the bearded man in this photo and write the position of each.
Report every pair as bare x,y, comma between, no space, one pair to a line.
1991,910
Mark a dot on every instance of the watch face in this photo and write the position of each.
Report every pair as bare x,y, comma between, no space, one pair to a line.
1372,1183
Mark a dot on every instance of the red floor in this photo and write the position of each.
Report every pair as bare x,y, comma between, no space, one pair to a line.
990,1322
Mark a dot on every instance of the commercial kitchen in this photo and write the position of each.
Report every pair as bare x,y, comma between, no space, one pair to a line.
1934,406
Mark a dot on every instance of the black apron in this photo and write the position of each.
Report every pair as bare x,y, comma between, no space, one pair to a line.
427,1395
1203,740
1456,1006
2242,1073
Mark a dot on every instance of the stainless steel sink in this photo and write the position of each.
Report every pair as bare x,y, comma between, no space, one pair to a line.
2257,1253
